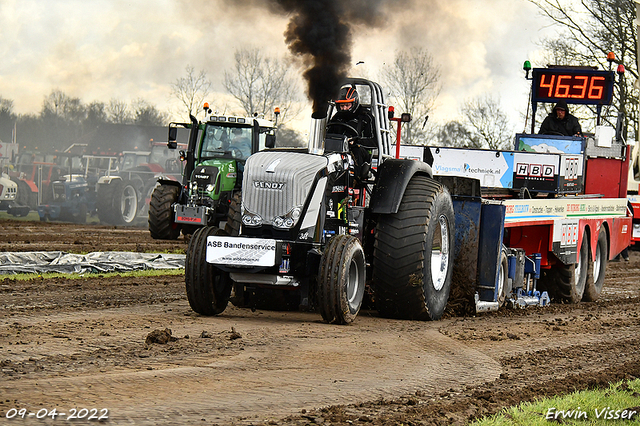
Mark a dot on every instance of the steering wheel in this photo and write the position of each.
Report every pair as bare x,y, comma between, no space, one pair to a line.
345,125
236,152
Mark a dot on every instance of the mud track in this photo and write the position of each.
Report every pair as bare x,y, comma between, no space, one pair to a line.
133,346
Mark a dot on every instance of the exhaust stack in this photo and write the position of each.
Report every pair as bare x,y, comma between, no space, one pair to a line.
316,133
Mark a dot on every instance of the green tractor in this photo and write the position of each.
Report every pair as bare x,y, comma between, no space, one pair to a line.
210,191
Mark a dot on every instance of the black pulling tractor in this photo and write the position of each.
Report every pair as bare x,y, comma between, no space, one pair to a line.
323,236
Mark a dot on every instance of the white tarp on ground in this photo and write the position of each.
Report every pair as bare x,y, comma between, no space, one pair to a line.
114,261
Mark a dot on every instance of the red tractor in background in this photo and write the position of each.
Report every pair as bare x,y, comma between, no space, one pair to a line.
35,171
32,172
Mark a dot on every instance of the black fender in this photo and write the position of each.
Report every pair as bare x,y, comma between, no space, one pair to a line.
163,181
392,178
182,196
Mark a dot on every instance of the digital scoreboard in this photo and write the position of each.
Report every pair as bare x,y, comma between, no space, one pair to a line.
574,85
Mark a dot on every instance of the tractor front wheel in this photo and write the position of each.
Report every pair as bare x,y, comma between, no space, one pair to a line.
208,288
81,214
234,218
161,218
341,280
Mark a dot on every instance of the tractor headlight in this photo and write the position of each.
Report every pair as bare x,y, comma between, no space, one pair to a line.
288,220
250,219
210,187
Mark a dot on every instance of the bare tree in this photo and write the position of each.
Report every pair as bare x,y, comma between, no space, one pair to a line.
592,28
147,115
261,83
6,106
288,137
192,90
7,119
97,112
455,134
413,82
488,125
59,105
118,112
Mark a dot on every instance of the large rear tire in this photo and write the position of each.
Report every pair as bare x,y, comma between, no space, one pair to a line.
234,218
596,269
161,218
413,253
341,280
567,283
117,202
208,288
26,196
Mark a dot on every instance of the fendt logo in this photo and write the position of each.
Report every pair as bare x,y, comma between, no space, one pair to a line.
535,170
268,185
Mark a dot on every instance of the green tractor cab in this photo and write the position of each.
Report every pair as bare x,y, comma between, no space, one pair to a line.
210,191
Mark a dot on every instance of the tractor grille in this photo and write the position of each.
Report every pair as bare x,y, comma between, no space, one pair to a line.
203,176
8,193
275,182
59,191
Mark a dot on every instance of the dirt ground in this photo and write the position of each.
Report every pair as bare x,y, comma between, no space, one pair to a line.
132,349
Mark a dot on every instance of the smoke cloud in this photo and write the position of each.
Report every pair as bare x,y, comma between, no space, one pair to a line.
320,32
320,35
324,40
127,50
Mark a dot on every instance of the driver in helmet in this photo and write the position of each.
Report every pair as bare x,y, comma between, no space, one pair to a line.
357,125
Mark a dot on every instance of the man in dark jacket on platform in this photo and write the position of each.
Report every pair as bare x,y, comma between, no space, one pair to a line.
560,122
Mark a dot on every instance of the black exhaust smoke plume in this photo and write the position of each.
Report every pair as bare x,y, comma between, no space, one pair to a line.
320,33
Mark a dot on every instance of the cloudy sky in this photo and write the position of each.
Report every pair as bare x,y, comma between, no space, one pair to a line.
130,49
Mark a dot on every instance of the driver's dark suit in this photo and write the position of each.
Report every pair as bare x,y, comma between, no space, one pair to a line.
362,121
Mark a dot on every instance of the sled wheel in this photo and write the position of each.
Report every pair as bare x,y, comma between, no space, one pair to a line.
161,218
208,288
504,287
567,282
596,270
413,253
234,217
341,280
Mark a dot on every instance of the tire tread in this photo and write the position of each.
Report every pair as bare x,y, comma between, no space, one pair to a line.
399,253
